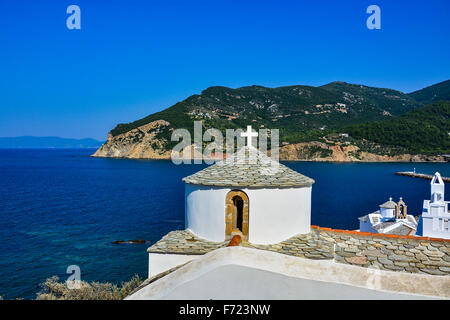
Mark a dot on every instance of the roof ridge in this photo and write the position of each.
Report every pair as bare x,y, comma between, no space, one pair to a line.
249,167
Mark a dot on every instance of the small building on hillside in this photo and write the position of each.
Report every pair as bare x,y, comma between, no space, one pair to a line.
392,218
435,217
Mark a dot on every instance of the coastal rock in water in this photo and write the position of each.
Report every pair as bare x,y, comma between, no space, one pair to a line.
137,241
134,241
139,143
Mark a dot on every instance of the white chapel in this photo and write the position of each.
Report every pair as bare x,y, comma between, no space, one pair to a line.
247,194
250,195
392,218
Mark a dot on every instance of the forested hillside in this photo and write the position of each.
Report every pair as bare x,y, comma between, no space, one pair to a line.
422,131
434,93
301,113
380,121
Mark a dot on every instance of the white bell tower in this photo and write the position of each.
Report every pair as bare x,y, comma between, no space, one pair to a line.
435,214
437,189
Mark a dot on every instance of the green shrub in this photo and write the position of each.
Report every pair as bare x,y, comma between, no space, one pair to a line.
52,289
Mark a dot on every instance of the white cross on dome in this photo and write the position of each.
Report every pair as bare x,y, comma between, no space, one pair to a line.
249,134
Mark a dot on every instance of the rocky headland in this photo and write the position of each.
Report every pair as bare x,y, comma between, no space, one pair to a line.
143,143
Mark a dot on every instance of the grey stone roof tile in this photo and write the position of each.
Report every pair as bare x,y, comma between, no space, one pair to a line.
249,168
184,242
388,204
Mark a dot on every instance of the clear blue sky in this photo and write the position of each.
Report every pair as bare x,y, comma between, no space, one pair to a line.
133,58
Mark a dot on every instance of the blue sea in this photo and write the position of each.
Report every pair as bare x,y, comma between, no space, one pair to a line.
62,207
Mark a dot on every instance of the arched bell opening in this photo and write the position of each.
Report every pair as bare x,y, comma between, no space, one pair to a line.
236,214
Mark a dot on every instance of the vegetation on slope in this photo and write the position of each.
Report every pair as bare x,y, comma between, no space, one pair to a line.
52,289
434,93
300,112
373,116
422,131
392,101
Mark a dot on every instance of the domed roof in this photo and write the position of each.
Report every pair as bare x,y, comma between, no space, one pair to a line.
249,168
389,204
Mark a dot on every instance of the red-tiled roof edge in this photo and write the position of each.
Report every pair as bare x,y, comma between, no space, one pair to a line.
379,234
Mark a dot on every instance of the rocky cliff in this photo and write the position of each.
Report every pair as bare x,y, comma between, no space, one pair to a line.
140,143
319,151
145,143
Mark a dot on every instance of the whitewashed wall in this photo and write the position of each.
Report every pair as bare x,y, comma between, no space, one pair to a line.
388,213
158,262
366,226
205,211
436,220
261,274
434,227
274,214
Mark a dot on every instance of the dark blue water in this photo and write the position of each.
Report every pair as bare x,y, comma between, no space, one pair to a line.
62,207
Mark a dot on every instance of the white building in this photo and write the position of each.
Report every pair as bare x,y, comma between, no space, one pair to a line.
247,194
392,218
251,195
435,215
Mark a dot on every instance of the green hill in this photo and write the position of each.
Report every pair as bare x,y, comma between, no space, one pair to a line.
422,131
375,117
301,112
437,92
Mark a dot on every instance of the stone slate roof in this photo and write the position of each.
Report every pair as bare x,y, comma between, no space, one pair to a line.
400,227
185,242
388,205
383,225
403,229
388,252
249,168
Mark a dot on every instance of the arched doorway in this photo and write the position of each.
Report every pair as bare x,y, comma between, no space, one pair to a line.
236,214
